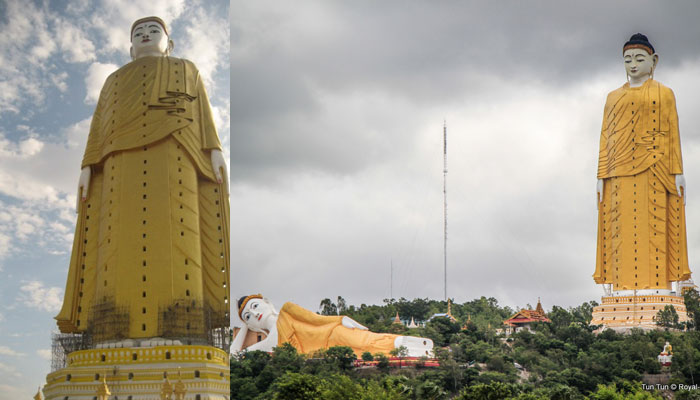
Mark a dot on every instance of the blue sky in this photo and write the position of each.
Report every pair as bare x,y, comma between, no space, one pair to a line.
54,57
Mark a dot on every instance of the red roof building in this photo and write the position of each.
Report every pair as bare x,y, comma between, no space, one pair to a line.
524,319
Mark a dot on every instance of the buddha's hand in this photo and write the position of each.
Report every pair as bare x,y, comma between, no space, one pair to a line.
680,184
352,324
83,185
237,344
218,164
599,190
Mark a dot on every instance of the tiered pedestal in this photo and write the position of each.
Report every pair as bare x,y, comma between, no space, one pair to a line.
138,373
623,313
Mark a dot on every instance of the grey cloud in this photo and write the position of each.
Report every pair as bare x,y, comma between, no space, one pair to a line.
429,54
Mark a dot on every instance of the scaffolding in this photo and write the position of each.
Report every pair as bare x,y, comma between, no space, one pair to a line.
182,320
188,321
63,344
218,332
108,321
191,322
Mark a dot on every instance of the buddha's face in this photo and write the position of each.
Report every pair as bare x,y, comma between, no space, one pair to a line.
149,39
639,63
258,314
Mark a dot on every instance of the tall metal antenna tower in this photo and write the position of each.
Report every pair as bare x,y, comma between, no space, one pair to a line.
444,199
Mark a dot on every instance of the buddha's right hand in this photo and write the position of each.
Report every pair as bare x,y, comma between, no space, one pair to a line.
237,344
83,186
599,190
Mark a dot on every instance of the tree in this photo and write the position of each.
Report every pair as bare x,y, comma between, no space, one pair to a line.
341,305
692,305
328,308
367,356
491,391
286,359
382,361
668,317
342,356
295,386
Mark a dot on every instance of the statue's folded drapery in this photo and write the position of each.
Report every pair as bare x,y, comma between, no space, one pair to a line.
641,220
151,245
309,332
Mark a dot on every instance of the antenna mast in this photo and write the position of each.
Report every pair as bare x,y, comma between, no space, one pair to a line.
391,281
444,201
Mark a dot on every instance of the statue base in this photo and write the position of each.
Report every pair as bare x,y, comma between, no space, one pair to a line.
138,373
622,313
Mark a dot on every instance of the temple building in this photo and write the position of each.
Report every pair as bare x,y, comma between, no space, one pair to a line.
523,320
448,314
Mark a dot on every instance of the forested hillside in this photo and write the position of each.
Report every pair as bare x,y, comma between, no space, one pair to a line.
563,359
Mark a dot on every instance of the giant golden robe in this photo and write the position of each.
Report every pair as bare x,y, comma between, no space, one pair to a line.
641,220
150,255
308,332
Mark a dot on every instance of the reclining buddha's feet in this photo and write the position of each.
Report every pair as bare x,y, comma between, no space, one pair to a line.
417,347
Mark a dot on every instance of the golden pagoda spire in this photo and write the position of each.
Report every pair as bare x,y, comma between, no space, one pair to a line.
180,390
166,391
103,390
37,396
397,320
539,308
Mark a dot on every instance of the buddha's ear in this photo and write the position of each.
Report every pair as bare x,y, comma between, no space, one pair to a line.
266,300
131,52
655,57
171,46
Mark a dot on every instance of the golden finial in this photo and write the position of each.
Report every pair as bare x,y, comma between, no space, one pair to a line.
103,390
166,390
180,389
37,396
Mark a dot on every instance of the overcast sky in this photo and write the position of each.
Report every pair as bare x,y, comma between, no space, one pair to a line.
54,57
337,110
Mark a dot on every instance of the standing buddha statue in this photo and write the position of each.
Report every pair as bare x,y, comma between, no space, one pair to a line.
150,254
641,196
148,280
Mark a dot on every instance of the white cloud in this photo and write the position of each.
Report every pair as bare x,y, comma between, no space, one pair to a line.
8,370
44,353
13,392
35,295
77,134
207,48
75,46
6,351
25,45
5,246
96,76
59,80
25,148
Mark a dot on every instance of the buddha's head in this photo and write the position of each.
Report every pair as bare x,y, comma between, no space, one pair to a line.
149,37
257,313
640,58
